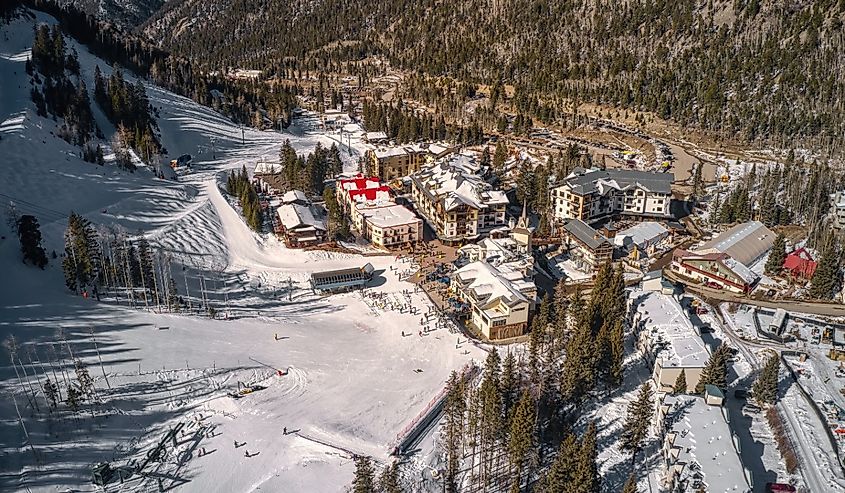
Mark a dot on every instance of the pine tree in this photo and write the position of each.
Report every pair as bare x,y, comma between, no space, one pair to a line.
29,235
826,277
388,481
561,474
521,438
715,372
454,410
681,383
777,256
586,474
631,484
509,384
617,354
74,398
51,392
765,388
638,420
86,383
364,481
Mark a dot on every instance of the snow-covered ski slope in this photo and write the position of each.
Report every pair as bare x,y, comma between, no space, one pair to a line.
351,383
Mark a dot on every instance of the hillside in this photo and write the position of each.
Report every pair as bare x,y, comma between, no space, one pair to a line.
126,13
162,368
758,69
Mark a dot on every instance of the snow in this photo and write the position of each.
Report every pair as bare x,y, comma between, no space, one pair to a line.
704,438
166,368
387,215
295,215
454,180
666,320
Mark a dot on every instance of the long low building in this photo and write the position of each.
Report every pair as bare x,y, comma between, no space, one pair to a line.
667,339
342,279
700,451
714,269
746,242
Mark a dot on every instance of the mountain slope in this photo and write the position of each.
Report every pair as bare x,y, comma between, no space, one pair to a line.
755,68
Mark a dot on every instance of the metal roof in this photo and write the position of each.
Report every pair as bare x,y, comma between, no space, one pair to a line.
585,234
585,182
745,242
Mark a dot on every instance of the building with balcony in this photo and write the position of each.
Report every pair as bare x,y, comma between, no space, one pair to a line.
595,194
501,297
456,201
395,162
387,224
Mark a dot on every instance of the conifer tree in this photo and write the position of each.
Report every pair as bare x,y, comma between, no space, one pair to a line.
86,383
715,372
560,475
521,438
454,410
765,388
509,384
680,386
774,264
388,481
638,421
826,277
51,392
29,235
364,481
631,484
617,354
73,399
586,474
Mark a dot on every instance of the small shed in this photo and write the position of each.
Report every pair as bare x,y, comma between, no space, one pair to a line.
713,395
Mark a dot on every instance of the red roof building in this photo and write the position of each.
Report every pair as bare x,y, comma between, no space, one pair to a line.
800,264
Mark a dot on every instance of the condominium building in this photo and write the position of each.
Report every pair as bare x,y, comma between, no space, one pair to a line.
594,194
387,224
396,162
500,297
455,200
700,451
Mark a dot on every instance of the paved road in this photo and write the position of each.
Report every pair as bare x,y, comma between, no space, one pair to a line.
815,480
826,309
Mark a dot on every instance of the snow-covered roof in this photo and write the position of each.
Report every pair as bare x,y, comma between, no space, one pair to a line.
745,242
488,284
744,273
672,329
640,234
581,231
360,182
596,180
454,180
294,196
387,215
295,216
370,136
704,442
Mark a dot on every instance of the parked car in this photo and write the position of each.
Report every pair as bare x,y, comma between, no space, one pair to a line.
779,487
742,394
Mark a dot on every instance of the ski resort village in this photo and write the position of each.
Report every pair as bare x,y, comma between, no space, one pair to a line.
215,285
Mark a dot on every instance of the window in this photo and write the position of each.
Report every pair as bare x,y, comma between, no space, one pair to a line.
499,323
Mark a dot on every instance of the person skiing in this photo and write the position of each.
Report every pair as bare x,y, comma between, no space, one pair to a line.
285,430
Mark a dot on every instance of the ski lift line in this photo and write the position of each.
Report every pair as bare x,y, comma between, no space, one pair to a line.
35,206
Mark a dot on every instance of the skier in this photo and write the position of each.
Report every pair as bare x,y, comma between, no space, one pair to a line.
285,430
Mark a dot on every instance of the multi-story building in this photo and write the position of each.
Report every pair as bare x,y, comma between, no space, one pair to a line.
700,451
396,162
387,224
595,194
360,188
501,297
587,248
456,201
